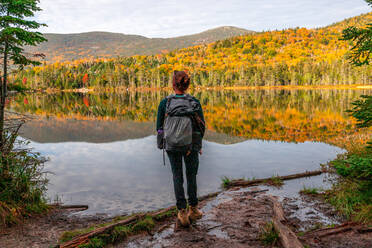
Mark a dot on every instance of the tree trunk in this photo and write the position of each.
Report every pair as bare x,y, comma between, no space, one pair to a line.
3,94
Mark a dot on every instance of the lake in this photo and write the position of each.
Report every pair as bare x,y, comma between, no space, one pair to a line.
102,146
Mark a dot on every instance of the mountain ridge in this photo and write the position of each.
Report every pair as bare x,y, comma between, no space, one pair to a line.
297,56
101,44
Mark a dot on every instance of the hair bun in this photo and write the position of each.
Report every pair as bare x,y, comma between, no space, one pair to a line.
181,80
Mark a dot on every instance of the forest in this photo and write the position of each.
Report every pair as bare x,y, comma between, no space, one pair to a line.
293,57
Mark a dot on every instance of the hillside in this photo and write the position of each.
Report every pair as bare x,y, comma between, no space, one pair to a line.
61,47
297,56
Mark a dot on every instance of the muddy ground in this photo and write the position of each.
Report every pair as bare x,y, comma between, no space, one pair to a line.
234,218
44,231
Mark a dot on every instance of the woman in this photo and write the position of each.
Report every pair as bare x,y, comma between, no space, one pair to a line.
180,121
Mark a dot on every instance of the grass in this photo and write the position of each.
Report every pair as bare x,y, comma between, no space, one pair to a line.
352,193
364,213
268,235
309,191
165,215
118,233
300,234
22,181
94,243
352,199
225,182
69,235
275,181
147,224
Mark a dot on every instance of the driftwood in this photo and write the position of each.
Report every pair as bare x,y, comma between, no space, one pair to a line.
334,231
286,236
364,229
84,207
208,196
82,239
162,211
345,227
257,191
240,182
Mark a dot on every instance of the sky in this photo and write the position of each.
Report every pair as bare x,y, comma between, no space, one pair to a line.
170,18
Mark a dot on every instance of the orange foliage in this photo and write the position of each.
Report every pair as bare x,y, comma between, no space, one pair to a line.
85,79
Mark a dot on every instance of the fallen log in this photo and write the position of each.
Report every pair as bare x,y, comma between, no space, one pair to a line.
348,226
335,231
162,211
85,207
240,182
256,191
208,196
82,239
364,229
286,236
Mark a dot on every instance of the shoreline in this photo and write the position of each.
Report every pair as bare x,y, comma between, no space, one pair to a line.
201,88
226,214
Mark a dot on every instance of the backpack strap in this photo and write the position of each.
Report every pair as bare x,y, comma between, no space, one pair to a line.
169,98
185,96
173,96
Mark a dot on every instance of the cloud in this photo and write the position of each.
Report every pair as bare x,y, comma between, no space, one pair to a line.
169,18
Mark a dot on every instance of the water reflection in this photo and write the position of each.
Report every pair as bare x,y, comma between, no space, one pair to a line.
129,176
287,115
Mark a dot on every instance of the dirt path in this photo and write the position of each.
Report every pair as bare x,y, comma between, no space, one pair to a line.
233,219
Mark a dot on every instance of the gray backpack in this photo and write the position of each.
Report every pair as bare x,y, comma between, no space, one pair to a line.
178,128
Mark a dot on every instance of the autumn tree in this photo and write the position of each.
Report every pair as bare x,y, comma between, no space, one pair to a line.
17,31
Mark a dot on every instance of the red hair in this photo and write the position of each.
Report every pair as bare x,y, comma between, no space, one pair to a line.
181,80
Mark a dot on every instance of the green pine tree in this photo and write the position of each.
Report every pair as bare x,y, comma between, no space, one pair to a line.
362,38
17,31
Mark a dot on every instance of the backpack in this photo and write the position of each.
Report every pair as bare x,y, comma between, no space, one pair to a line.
178,124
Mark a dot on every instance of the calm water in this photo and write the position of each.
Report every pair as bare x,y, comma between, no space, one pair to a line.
102,146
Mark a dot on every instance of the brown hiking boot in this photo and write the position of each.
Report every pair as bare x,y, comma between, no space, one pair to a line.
194,213
183,217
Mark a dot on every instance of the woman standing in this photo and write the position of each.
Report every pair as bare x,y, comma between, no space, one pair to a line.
180,127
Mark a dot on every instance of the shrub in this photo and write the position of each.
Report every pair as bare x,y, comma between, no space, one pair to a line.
355,166
22,180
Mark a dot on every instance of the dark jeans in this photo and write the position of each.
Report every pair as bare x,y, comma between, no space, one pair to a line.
192,164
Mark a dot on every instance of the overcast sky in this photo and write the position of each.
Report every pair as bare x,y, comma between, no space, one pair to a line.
169,18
